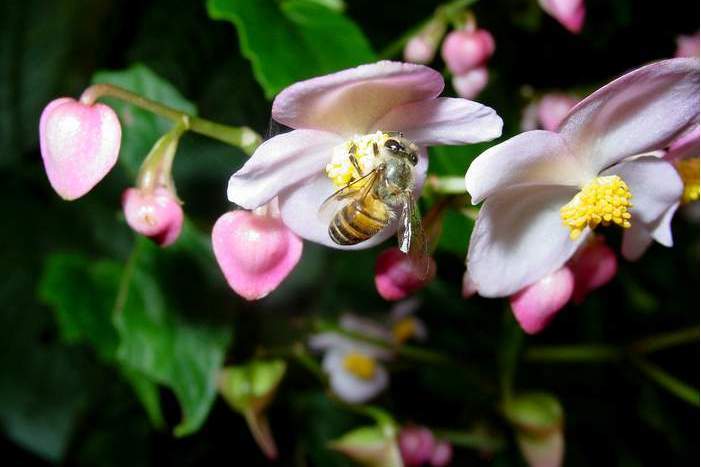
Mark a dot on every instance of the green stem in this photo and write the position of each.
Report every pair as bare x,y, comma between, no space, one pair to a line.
666,340
667,381
125,280
242,137
471,440
574,353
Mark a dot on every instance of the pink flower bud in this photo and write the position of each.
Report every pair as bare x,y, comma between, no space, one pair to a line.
79,145
156,214
535,306
465,50
471,83
687,46
419,50
553,108
569,13
396,277
416,445
594,266
442,454
255,251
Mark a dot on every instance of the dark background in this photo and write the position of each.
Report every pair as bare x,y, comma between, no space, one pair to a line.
61,403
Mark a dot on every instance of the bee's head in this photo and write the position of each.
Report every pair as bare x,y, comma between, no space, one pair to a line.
401,147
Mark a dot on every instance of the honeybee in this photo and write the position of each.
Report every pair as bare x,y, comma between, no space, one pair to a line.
368,204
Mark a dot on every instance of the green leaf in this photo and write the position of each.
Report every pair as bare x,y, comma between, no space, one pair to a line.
457,228
141,129
167,347
454,160
82,295
292,40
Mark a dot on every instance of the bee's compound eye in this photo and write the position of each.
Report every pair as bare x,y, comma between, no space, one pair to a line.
413,158
393,145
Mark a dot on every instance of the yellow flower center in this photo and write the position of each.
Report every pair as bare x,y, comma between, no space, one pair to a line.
360,365
404,329
689,172
363,149
604,200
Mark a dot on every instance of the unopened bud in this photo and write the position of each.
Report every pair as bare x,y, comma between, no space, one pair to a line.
569,13
471,83
397,277
155,214
466,50
536,305
79,145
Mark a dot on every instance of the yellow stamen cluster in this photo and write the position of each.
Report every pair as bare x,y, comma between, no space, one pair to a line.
404,329
341,170
360,365
604,200
689,172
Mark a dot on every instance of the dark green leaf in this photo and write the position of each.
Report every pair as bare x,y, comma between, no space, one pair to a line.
292,40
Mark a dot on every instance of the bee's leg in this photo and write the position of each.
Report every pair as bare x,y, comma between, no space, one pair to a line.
354,161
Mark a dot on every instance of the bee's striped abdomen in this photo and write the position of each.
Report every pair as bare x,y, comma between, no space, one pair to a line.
358,221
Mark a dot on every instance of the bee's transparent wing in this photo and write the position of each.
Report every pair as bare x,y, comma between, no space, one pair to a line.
355,190
411,236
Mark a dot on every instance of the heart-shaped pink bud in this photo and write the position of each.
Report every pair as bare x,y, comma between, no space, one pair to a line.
553,108
396,277
570,13
466,50
536,305
442,454
255,252
156,214
471,83
593,266
416,445
79,145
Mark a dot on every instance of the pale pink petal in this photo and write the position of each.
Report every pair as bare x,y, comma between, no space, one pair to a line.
278,163
255,252
299,207
644,110
569,13
685,147
79,145
469,288
443,121
536,305
519,238
687,46
654,184
532,158
543,451
636,241
350,101
156,214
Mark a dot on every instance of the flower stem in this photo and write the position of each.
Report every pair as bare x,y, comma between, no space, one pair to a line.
242,137
666,340
574,353
667,381
472,440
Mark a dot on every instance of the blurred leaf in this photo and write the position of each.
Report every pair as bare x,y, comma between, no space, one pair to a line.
457,228
454,160
141,129
36,58
82,295
251,386
165,346
42,387
292,40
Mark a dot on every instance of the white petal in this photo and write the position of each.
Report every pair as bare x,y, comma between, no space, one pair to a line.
642,111
278,163
654,184
348,387
350,101
533,158
636,241
519,238
443,121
